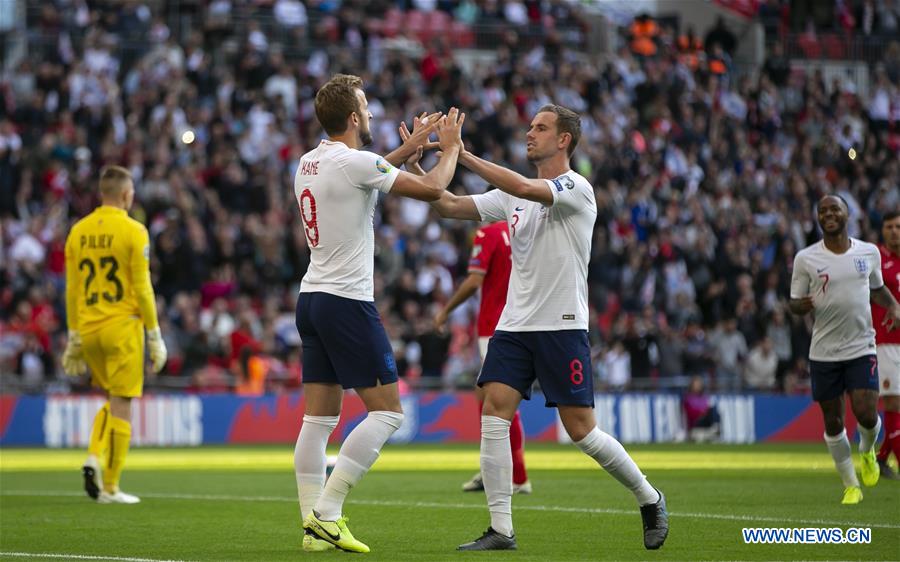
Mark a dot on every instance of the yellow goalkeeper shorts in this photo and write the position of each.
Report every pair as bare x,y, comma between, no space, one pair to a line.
115,355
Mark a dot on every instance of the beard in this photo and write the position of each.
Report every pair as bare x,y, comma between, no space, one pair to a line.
365,137
535,156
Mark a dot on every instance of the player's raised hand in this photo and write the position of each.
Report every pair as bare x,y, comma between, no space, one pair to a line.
157,348
73,357
423,126
420,150
449,129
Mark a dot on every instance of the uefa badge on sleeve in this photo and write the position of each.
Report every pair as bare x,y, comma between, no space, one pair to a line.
383,165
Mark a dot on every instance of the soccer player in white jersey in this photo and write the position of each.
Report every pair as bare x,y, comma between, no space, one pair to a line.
344,343
542,332
836,279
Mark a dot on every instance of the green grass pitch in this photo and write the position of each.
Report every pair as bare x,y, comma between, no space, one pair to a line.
239,503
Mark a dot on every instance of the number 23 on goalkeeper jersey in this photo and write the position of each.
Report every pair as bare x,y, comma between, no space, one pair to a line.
108,272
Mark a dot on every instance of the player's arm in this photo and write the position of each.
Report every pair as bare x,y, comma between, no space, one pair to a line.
801,302
423,126
466,289
431,186
140,279
801,306
73,362
509,181
143,292
451,206
72,285
882,297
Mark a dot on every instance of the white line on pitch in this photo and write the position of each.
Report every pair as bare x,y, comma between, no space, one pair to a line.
80,557
437,505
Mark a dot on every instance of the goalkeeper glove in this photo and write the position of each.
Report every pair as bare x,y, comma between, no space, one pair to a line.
158,353
73,357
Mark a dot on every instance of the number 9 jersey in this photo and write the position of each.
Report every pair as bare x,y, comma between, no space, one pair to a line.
108,272
336,188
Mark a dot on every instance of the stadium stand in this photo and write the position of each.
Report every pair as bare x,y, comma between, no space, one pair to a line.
705,173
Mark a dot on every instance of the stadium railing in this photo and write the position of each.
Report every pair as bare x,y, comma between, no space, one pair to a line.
836,46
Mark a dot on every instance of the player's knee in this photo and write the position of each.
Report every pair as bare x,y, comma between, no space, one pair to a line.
493,427
834,426
393,419
120,407
867,419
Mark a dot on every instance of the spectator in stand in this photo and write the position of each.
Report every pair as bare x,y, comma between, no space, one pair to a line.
701,418
761,367
730,349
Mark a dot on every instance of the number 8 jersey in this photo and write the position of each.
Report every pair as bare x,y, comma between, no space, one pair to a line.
108,272
336,188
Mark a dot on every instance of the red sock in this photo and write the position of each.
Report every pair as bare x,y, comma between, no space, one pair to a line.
891,436
516,443
885,449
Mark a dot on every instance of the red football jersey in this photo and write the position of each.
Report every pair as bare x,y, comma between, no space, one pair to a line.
890,271
491,255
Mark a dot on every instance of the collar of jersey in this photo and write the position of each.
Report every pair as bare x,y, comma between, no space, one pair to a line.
852,245
327,141
110,209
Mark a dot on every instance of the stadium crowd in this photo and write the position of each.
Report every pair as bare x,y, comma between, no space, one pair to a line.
705,177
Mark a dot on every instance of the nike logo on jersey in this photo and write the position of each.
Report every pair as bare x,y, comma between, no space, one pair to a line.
582,389
888,264
818,270
520,210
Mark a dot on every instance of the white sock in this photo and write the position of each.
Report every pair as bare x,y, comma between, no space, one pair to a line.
358,453
868,436
310,459
839,447
611,455
496,472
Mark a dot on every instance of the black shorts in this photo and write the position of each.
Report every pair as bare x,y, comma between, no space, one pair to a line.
560,360
831,379
343,342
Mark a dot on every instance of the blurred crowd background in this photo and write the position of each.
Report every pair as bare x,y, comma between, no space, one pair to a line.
706,171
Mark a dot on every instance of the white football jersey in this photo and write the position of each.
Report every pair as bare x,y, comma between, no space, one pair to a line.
337,188
840,285
551,247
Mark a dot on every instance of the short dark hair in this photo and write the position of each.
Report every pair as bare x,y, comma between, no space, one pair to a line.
567,121
839,198
890,215
336,100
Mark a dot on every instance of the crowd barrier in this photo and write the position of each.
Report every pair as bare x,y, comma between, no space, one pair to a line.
431,417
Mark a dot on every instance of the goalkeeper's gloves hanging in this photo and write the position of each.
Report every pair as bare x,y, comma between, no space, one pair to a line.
157,347
73,357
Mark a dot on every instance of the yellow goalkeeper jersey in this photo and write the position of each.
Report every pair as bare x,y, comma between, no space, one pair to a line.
108,271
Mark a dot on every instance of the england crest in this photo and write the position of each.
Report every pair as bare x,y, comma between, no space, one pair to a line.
862,266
